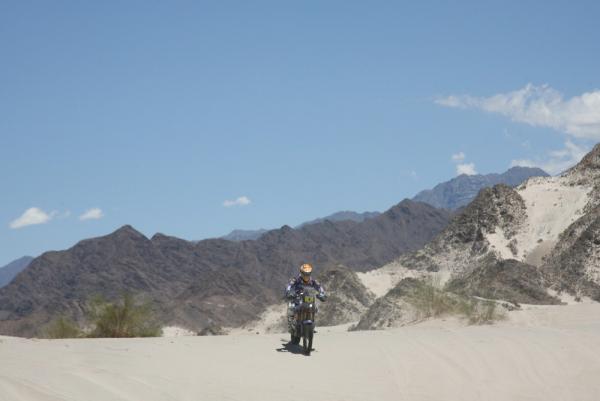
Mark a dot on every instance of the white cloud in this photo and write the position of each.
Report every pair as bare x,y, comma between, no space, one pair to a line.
466,168
92,214
540,106
461,167
241,201
32,216
458,157
557,160
450,101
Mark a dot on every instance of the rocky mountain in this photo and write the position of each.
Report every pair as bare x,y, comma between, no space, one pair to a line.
573,265
244,235
8,272
550,223
348,296
393,309
210,282
460,191
508,280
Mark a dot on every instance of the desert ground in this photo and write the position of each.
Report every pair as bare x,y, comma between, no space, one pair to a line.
538,353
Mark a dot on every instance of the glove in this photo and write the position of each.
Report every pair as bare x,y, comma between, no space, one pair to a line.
322,297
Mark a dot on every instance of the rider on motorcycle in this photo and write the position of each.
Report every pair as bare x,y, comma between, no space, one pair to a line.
294,288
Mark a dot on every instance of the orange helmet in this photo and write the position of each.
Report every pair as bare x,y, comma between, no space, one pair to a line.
305,271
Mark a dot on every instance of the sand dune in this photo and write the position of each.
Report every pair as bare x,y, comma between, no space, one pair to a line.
541,353
552,203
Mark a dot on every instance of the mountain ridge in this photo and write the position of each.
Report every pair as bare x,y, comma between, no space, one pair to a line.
10,270
460,191
345,215
177,275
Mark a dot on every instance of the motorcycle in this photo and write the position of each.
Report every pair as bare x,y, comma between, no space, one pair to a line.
305,310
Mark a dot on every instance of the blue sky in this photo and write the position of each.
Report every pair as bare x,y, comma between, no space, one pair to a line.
156,114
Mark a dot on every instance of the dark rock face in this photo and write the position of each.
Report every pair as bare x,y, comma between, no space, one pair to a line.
507,280
574,264
497,207
220,299
8,272
211,282
587,172
589,165
372,243
393,309
347,299
460,191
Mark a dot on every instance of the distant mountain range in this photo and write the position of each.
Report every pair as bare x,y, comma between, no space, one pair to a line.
244,235
213,282
460,191
346,215
451,195
8,272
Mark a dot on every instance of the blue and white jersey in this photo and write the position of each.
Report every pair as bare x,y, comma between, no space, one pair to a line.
295,286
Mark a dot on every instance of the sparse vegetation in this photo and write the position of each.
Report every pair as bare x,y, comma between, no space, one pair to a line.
121,318
63,327
478,311
431,299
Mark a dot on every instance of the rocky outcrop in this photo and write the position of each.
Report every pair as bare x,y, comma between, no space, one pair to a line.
507,280
463,243
348,298
393,309
574,264
513,243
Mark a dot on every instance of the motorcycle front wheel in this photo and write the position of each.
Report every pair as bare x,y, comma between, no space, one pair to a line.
307,339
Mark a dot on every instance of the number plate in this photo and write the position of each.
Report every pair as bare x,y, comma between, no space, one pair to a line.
309,300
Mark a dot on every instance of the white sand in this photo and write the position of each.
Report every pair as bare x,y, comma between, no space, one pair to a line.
272,320
542,353
499,244
176,331
380,281
552,205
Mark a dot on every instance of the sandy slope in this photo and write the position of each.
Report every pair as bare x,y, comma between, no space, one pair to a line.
380,281
542,353
552,203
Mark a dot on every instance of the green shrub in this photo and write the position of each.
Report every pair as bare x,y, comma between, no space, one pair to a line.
63,327
430,299
484,312
123,318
